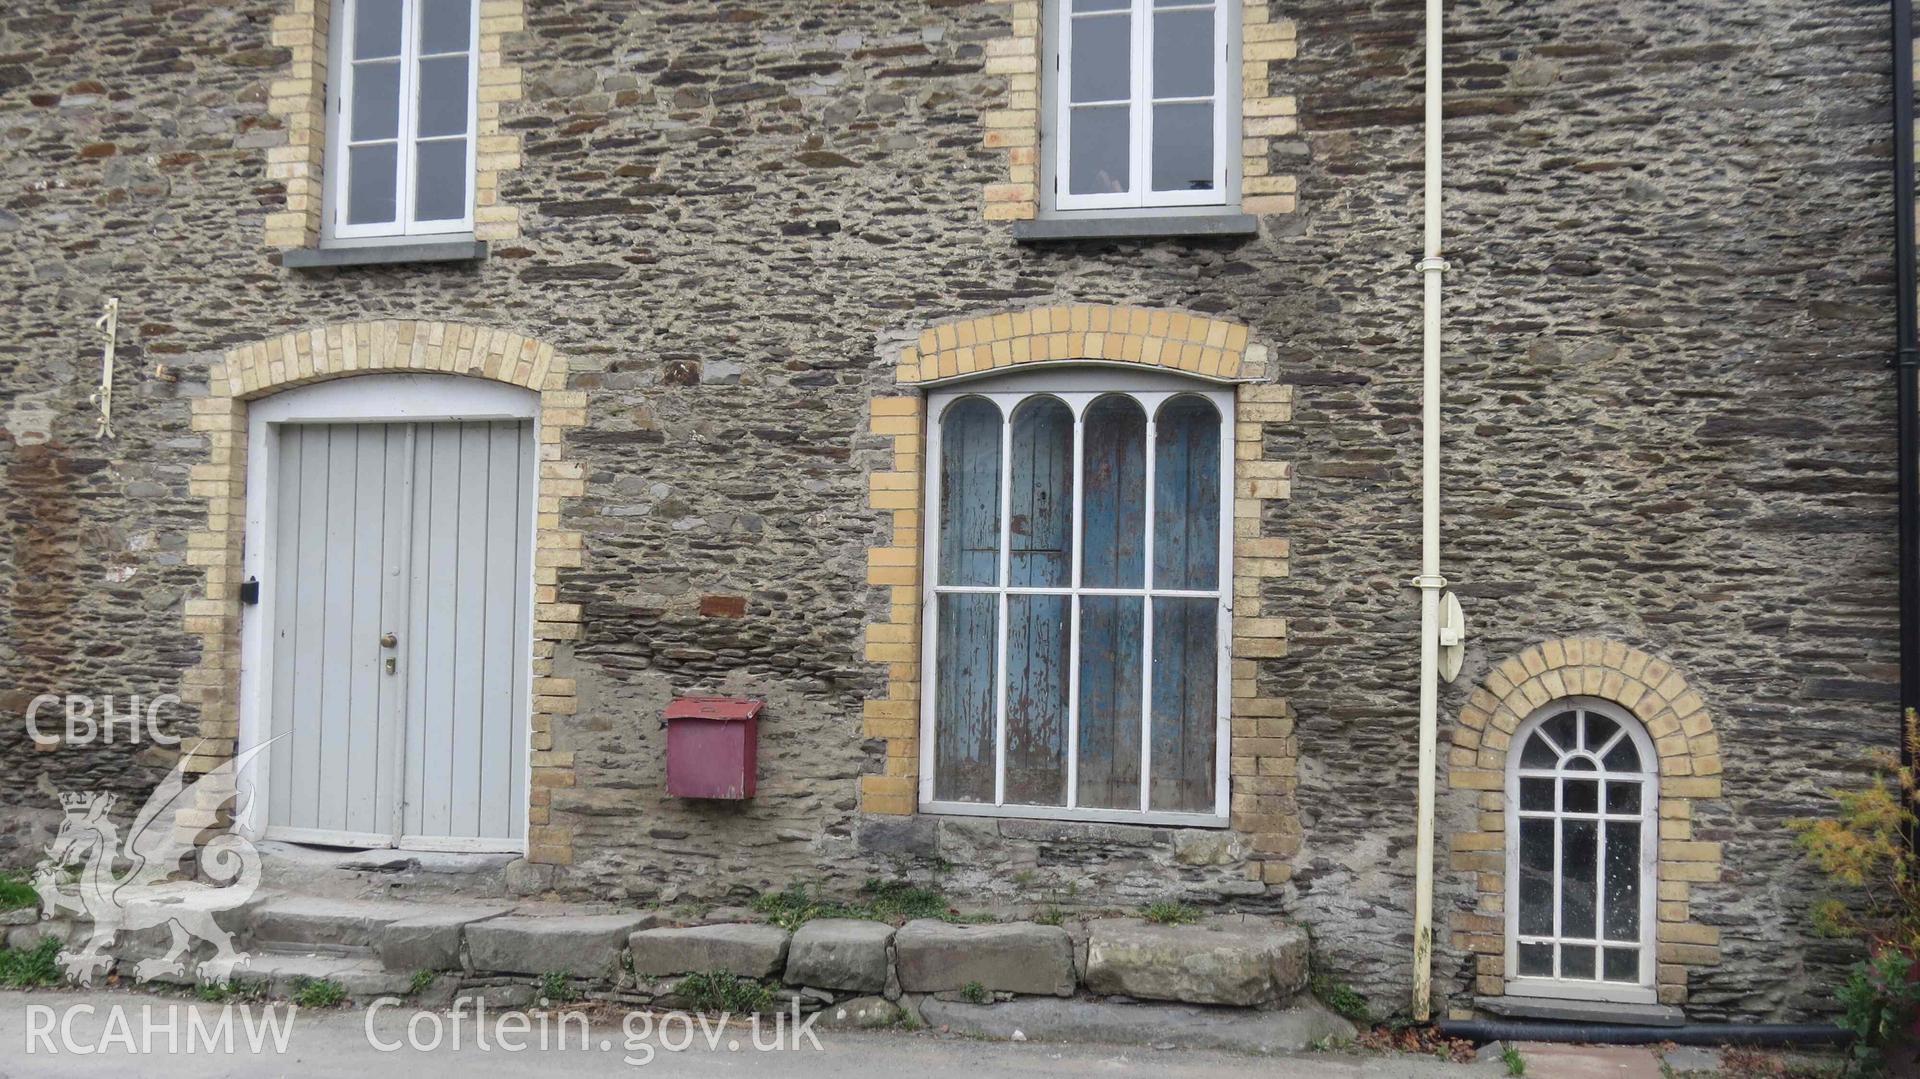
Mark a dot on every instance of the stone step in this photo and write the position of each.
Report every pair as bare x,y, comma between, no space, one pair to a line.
840,953
319,923
1234,960
750,951
556,940
283,975
1162,1026
405,936
1018,957
396,874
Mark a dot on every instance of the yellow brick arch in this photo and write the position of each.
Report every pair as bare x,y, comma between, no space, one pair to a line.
392,345
343,350
1677,720
1648,688
1083,333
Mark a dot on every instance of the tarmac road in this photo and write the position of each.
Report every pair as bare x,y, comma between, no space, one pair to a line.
121,1034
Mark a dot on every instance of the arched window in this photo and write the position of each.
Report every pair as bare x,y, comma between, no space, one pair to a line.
1077,624
1582,840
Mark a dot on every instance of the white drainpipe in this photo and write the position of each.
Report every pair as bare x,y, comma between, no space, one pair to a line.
1432,268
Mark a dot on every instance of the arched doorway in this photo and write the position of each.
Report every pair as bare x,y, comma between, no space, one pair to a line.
385,658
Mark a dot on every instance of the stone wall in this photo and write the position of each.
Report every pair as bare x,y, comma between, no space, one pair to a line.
1668,417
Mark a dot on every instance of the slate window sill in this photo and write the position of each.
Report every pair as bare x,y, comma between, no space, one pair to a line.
327,258
1582,1011
1170,226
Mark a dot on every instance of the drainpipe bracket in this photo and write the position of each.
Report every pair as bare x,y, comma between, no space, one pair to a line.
1429,581
1434,264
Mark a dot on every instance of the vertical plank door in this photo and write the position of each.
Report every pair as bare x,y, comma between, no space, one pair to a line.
422,531
340,519
469,636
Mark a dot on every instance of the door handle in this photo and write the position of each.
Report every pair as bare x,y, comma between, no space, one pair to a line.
388,640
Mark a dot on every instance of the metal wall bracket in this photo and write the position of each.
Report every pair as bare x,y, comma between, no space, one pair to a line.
102,399
1453,637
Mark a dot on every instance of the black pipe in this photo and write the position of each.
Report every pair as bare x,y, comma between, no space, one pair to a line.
1906,364
1520,1030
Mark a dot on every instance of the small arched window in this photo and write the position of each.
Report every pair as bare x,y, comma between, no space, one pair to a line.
1075,643
1582,841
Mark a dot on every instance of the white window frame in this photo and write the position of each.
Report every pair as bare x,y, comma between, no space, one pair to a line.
1594,989
340,92
1078,389
1139,196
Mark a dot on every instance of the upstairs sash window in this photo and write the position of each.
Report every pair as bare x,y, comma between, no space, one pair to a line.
1141,103
403,102
1078,618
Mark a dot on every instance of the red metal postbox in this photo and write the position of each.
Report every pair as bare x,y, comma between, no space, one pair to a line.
713,747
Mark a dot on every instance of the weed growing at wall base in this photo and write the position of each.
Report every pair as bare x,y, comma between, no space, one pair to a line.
721,992
30,967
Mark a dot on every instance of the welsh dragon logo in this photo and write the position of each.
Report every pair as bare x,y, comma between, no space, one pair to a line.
135,883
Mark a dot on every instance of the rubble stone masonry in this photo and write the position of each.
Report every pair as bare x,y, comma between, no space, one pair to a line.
1669,424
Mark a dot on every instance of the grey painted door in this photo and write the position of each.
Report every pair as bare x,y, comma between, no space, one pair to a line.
401,580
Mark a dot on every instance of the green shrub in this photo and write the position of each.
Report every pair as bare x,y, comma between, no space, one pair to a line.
1862,847
16,893
878,901
975,993
1170,912
29,967
556,987
1341,997
1510,1055
724,992
319,993
420,982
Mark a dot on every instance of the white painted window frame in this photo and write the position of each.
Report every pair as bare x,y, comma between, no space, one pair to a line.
1077,389
340,94
1139,196
372,398
1649,776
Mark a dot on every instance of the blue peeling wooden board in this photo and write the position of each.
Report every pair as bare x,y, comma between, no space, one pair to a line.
1041,527
1038,632
1113,538
964,697
1111,669
1185,704
1186,494
970,493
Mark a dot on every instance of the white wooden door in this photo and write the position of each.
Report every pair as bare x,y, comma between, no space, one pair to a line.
468,636
401,578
